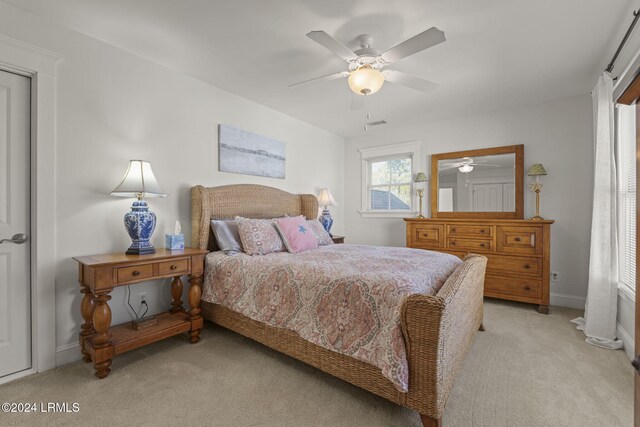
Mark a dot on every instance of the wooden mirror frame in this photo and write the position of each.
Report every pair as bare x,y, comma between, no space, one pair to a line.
518,150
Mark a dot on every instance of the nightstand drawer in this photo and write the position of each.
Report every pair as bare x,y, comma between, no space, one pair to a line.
173,267
469,230
125,274
469,244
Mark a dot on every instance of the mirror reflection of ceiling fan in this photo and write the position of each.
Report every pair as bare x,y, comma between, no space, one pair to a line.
367,70
465,165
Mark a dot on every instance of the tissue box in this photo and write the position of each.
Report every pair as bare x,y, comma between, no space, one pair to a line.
174,241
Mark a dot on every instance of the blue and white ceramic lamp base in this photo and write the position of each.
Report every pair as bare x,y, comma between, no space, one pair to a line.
140,223
326,220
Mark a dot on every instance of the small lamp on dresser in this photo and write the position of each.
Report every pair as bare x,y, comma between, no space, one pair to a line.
139,182
325,199
419,179
537,170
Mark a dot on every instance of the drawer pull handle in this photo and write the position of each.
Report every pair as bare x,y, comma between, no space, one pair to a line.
527,288
517,239
482,231
453,243
453,230
482,245
173,267
135,273
527,266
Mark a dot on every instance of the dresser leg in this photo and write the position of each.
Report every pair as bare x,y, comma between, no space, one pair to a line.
103,347
86,308
543,309
195,292
481,328
176,293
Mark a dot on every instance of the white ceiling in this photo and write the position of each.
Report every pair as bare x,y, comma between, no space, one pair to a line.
498,53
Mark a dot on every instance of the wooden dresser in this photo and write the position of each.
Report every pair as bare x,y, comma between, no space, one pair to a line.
517,251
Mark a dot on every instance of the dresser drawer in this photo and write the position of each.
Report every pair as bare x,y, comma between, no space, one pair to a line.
426,235
469,230
514,265
516,286
125,274
520,240
173,267
457,243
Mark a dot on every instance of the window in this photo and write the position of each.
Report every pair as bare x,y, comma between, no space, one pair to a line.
390,183
387,179
626,171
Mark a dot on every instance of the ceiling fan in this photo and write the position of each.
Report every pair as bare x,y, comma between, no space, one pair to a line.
367,66
465,165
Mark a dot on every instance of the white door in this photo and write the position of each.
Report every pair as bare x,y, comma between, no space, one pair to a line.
15,281
487,198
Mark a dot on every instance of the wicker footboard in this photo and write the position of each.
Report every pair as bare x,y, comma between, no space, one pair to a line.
438,333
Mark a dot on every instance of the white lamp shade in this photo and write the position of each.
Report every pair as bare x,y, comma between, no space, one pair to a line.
326,199
139,182
365,80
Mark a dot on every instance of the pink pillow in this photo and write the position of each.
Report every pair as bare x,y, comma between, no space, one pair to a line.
259,236
296,234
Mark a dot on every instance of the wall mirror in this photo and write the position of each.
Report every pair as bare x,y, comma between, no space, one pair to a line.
486,183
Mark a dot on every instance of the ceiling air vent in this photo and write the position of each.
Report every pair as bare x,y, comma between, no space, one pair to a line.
378,123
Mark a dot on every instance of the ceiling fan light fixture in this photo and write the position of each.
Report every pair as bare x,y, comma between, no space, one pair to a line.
465,168
365,80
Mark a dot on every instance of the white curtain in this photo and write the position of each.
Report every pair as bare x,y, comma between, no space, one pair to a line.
599,322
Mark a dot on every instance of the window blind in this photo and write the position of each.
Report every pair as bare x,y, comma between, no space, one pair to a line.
626,171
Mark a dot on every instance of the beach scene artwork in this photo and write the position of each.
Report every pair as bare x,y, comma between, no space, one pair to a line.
249,153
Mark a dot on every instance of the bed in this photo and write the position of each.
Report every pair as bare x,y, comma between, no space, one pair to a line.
437,330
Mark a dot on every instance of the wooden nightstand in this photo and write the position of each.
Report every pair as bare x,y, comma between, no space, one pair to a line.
99,274
338,239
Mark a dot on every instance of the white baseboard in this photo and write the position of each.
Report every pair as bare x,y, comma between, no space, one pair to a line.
67,354
571,301
628,341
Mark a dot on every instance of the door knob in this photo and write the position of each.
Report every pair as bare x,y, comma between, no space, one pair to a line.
17,238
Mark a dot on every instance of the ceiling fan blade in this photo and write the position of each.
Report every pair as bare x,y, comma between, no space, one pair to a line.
415,44
447,167
408,80
332,44
358,101
485,164
315,80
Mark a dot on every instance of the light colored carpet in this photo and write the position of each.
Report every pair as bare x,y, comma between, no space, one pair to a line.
527,369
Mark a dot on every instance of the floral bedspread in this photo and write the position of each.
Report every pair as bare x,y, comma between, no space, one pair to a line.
346,298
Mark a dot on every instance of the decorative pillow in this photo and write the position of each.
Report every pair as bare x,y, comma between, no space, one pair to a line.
296,234
321,234
259,236
227,236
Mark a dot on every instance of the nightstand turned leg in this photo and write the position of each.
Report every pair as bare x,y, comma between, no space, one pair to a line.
176,293
195,292
102,344
86,308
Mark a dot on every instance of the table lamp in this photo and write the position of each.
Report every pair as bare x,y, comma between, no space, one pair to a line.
325,199
139,182
537,170
419,179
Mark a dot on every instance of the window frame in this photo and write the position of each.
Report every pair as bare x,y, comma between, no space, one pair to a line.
409,150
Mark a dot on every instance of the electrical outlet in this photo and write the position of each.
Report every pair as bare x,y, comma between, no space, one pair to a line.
555,276
142,298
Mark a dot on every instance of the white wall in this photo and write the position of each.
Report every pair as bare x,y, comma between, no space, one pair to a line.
113,106
557,134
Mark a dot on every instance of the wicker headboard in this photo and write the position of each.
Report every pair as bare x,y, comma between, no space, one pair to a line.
247,200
